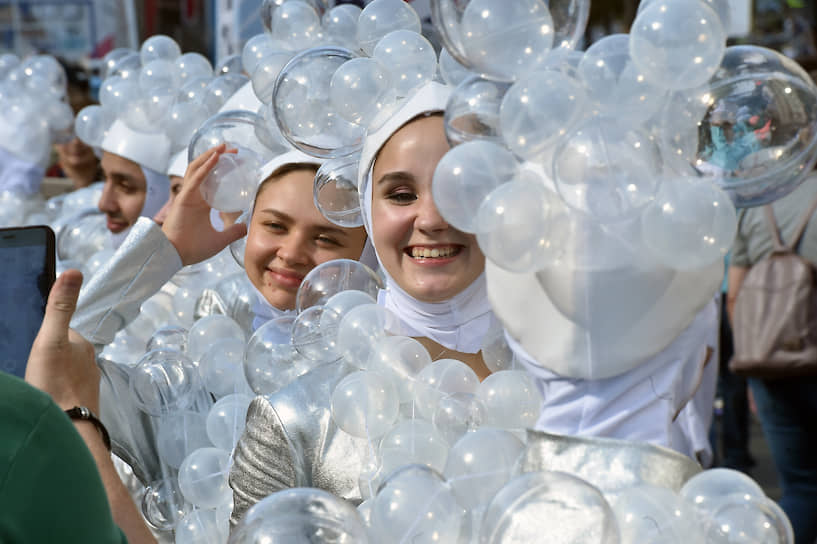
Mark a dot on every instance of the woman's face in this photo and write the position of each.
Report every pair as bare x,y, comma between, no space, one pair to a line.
429,259
288,237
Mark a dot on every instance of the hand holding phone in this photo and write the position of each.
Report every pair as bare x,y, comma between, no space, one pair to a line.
27,271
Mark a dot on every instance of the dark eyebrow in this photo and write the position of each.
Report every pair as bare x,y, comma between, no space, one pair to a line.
280,215
396,177
320,228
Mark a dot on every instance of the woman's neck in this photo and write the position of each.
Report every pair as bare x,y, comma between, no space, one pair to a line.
473,360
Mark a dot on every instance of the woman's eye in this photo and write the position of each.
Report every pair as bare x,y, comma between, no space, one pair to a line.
328,240
402,198
274,226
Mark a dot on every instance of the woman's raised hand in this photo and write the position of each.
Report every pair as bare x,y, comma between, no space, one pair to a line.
187,225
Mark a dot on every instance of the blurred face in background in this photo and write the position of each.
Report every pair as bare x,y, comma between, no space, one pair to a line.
124,192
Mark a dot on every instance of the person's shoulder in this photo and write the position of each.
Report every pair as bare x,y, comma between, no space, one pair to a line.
20,403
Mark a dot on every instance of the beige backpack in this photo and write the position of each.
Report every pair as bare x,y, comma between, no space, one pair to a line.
775,317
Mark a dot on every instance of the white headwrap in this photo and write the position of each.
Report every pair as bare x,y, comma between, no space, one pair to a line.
461,322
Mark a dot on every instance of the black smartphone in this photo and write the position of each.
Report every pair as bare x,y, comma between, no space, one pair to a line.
27,272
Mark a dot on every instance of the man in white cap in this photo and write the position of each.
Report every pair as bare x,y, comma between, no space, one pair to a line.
135,183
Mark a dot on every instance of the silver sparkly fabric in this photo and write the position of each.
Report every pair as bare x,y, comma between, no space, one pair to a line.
232,297
107,303
291,441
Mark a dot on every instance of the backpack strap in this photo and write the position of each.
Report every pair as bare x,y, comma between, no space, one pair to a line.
801,227
777,242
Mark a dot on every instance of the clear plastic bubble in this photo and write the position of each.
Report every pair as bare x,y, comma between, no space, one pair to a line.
193,66
266,73
330,278
691,224
159,74
480,463
239,129
184,304
465,176
512,400
203,478
409,58
126,66
82,236
229,65
163,504
402,358
451,70
441,378
9,61
706,488
192,90
91,124
615,84
514,226
414,442
341,303
335,191
182,121
340,26
111,58
457,414
60,119
256,48
314,334
359,332
524,510
381,17
300,515
677,44
221,88
472,112
496,353
238,247
225,422
302,107
411,505
44,74
361,89
159,47
296,24
739,131
164,381
221,367
179,435
158,310
208,330
201,526
365,404
746,518
721,7
655,514
230,186
270,361
607,169
125,349
148,112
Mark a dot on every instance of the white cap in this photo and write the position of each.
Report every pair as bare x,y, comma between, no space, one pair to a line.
151,150
178,164
290,157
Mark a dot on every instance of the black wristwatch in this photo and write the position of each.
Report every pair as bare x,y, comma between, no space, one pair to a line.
83,413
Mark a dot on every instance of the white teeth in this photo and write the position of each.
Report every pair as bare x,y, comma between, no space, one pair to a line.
426,253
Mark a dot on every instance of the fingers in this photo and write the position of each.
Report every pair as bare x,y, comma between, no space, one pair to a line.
231,234
201,166
62,301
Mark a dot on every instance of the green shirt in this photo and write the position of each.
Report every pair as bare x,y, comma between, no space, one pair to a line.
50,488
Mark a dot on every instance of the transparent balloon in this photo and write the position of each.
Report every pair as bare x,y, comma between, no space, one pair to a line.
203,478
615,84
238,247
126,66
182,121
163,504
125,349
270,361
335,191
465,176
514,226
242,130
91,124
330,278
192,66
230,186
512,400
179,435
82,236
184,305
365,404
256,48
480,463
314,334
164,381
747,518
721,7
266,73
340,25
607,169
296,24
221,367
441,378
451,70
413,503
409,58
225,422
343,302
221,88
538,109
458,414
147,112
496,353
111,58
210,329
359,332
229,65
706,488
677,44
472,112
739,130
303,109
691,224
402,358
381,17
361,89
524,510
160,74
647,513
159,47
201,526
298,516
413,442
169,337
